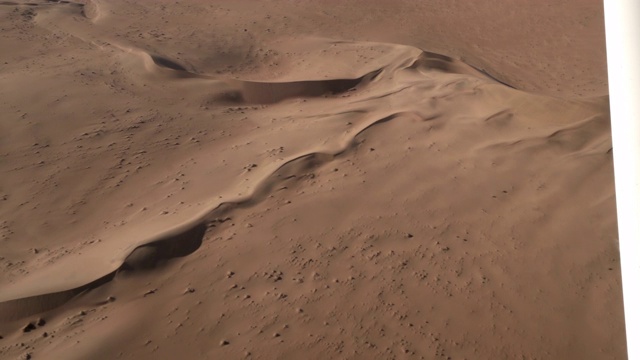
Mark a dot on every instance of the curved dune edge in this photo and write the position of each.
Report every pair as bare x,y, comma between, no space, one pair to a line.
187,238
270,92
252,91
184,239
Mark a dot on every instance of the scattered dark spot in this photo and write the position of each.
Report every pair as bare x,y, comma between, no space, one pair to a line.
164,62
27,328
41,322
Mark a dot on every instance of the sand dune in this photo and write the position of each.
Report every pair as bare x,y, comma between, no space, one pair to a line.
285,180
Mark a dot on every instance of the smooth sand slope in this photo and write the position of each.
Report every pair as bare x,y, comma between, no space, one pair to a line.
283,180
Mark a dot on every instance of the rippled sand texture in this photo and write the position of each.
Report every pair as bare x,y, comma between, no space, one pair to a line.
314,180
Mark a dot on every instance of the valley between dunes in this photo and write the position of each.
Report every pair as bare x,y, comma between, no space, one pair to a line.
284,180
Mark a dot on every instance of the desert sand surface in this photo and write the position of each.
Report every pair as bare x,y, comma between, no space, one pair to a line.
306,179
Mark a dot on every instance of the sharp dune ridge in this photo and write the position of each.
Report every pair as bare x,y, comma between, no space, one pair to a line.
185,239
277,180
266,92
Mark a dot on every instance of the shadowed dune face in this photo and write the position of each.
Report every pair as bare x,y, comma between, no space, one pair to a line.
430,61
164,62
24,308
268,93
151,255
260,92
154,254
309,196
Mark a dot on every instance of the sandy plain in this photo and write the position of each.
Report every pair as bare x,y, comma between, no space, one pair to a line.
306,179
